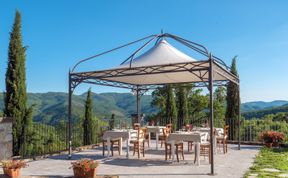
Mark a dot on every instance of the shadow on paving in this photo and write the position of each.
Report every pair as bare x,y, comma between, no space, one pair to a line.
144,162
77,157
246,147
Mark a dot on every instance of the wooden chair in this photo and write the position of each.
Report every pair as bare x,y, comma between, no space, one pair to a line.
169,126
139,144
223,139
188,127
161,137
136,126
146,135
168,146
205,149
115,143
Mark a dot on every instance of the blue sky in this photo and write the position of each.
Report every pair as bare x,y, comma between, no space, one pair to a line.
59,33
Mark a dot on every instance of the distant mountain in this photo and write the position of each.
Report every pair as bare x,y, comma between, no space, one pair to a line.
52,106
263,112
260,105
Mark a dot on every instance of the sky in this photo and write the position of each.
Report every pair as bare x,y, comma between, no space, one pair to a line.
58,33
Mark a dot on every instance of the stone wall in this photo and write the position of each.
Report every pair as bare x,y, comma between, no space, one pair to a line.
5,138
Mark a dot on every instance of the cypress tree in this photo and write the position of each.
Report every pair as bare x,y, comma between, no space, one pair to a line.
232,98
112,122
15,96
182,106
87,124
171,110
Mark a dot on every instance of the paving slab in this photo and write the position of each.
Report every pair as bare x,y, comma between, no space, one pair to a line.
233,165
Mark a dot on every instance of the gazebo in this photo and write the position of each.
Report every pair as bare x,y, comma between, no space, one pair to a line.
160,65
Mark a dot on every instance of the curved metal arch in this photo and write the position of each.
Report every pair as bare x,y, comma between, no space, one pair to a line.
111,50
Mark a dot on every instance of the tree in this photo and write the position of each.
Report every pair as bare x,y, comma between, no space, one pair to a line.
112,122
88,122
15,95
182,105
159,100
232,101
171,110
197,104
219,106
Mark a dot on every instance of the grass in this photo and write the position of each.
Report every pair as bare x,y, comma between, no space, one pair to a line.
276,158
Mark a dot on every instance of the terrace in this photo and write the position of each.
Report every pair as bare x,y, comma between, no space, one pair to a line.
233,164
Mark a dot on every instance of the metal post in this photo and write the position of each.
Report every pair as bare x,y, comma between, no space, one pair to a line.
69,118
239,115
211,112
138,104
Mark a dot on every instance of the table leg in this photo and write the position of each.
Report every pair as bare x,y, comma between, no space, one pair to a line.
157,139
108,146
120,145
215,145
149,138
127,144
173,149
197,153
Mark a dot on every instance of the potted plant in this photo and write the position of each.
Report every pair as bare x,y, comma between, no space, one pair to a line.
11,168
271,138
85,168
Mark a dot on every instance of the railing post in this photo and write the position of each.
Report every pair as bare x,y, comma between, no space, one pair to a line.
239,115
211,113
69,118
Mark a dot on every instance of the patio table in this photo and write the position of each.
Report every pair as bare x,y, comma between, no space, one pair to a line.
196,137
219,132
123,135
157,130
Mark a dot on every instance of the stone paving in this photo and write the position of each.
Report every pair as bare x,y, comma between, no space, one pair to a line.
233,164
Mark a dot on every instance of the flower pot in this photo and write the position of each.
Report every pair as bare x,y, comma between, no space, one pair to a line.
12,172
275,144
80,173
268,145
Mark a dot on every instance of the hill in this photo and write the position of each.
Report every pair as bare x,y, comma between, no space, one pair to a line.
263,112
261,105
52,106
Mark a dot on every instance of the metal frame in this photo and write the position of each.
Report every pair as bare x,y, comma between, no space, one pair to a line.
200,69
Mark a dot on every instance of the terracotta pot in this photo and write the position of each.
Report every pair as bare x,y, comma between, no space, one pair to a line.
275,144
79,173
268,145
12,172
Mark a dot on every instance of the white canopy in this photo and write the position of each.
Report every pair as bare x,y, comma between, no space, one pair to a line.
161,64
159,54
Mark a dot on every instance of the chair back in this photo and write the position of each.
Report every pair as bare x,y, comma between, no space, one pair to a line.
226,130
141,133
188,127
136,126
169,126
166,133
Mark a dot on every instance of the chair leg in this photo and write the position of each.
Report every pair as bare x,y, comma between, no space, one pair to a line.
143,149
226,145
188,146
166,151
209,154
182,148
177,153
138,150
170,149
119,148
112,148
103,151
224,150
